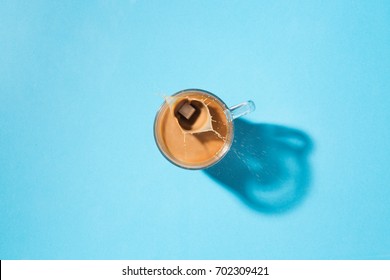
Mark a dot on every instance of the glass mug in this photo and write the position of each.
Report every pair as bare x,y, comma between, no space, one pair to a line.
194,129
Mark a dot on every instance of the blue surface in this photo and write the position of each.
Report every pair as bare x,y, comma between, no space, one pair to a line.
81,177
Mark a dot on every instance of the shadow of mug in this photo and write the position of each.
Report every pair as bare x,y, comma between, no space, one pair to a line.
267,166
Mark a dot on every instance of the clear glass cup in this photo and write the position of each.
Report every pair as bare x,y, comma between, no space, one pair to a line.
196,147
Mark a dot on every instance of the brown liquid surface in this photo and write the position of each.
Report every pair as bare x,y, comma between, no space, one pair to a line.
196,142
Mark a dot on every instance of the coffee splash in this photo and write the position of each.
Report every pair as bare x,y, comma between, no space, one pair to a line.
192,115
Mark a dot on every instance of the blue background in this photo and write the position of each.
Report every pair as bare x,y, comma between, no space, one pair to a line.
81,81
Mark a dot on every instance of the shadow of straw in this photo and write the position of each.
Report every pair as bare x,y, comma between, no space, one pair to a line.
267,166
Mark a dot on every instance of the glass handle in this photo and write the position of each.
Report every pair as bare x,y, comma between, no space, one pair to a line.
242,109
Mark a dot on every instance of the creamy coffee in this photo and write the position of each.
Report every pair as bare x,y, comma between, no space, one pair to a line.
193,129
